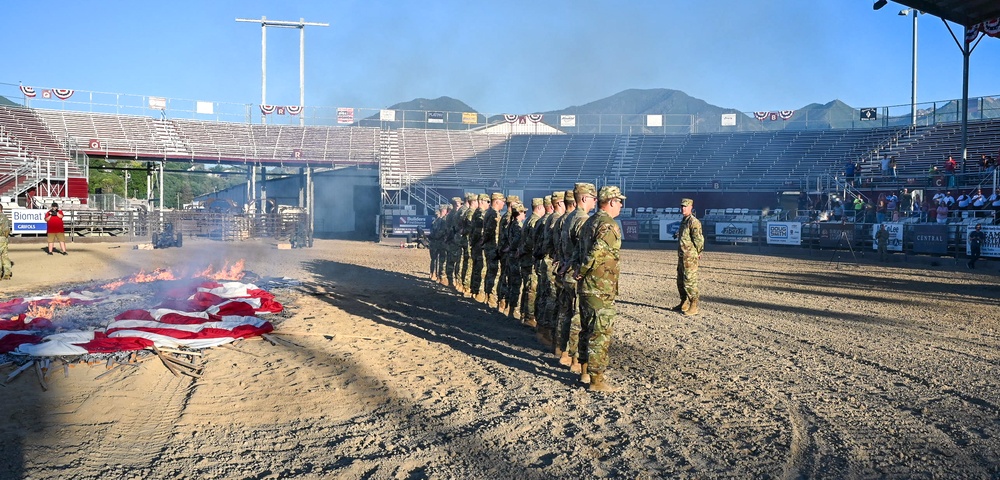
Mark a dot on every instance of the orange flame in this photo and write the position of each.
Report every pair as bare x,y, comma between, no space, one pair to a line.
234,272
158,274
49,311
113,285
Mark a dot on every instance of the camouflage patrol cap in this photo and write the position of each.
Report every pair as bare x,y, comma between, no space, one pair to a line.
585,189
471,197
517,208
497,196
484,197
609,192
547,201
687,202
456,199
558,196
535,202
513,198
569,197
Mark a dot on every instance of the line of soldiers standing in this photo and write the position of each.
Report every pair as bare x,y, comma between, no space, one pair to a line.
556,271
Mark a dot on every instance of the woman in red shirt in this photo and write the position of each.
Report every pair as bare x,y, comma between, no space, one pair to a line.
54,229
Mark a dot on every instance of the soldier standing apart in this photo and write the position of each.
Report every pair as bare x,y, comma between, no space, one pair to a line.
976,239
491,235
452,246
476,243
689,247
5,263
882,238
434,241
601,242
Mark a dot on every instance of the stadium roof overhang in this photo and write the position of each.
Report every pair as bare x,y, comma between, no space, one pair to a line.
963,12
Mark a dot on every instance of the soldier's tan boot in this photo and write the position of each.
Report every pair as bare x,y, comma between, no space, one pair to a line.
502,306
575,367
600,384
683,306
693,309
564,358
480,297
467,293
544,335
491,300
530,322
584,374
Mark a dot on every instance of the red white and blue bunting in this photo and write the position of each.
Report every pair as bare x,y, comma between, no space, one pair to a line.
294,109
28,91
62,93
773,116
533,118
267,109
989,27
280,109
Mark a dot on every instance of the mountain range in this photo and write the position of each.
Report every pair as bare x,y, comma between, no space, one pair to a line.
681,109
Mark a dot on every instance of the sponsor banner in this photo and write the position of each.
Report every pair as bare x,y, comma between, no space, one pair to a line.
567,120
157,103
435,117
991,244
408,224
27,221
345,115
930,239
735,232
630,230
728,119
836,235
784,233
471,118
895,236
207,108
387,115
654,120
668,230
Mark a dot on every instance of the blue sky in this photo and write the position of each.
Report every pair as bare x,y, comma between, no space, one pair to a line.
514,56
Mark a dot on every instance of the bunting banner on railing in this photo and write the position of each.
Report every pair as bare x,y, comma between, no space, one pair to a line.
989,27
28,91
773,116
533,118
294,109
62,93
267,109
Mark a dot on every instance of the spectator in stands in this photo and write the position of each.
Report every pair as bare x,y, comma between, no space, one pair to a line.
978,200
850,170
994,200
885,163
5,263
55,230
931,210
859,207
984,163
942,213
838,211
949,170
949,201
934,177
892,206
892,166
963,201
905,203
881,208
919,209
976,238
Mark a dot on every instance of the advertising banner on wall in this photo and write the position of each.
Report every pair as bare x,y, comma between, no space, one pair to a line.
27,221
630,230
991,244
836,235
668,230
567,120
385,115
784,233
734,232
345,115
930,239
895,236
408,224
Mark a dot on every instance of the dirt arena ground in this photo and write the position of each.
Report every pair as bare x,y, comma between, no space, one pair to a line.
796,368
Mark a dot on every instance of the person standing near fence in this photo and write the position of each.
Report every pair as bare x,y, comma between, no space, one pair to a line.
690,244
976,239
882,238
55,230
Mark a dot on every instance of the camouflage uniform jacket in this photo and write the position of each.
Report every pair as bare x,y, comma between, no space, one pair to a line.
463,224
557,237
451,238
476,229
549,230
4,228
491,232
601,242
526,249
690,241
538,235
570,238
503,236
436,238
515,231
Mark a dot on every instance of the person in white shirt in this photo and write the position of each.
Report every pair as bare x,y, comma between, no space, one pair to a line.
978,200
949,200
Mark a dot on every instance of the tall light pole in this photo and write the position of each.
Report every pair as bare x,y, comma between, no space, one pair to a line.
913,91
301,24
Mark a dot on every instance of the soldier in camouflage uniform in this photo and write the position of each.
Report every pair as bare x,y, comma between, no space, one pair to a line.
568,313
526,260
476,242
503,247
544,267
491,235
600,243
5,264
551,242
515,230
452,245
464,219
435,242
690,244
